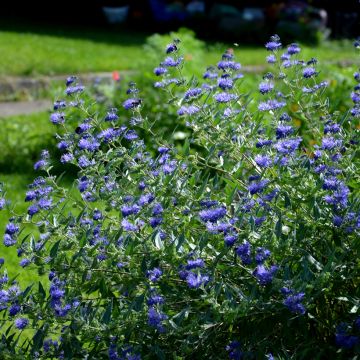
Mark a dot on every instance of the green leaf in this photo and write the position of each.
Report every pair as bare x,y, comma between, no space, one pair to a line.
180,241
287,200
42,291
158,242
278,227
107,314
54,249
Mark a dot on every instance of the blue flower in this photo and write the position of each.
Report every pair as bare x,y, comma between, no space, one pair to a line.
130,104
128,210
265,275
283,131
188,110
57,118
146,199
271,59
128,226
71,79
228,64
293,49
155,299
154,274
244,252
11,228
212,215
155,221
233,348
111,115
160,71
261,255
288,146
14,309
263,161
271,105
25,262
225,83
330,143
263,142
224,97
74,89
273,44
33,209
192,93
230,239
63,145
266,87
194,264
155,319
293,303
59,104
308,72
171,62
258,186
21,323
196,280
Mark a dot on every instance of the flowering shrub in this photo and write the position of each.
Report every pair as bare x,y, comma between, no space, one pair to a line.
241,243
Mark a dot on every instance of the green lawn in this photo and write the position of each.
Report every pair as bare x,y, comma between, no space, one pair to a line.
36,51
16,186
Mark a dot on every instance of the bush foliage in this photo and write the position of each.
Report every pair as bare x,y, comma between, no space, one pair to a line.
241,241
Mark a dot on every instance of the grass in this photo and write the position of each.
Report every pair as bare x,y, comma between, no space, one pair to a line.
36,51
21,140
16,186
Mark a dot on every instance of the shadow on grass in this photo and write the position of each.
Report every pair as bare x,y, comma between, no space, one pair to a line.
103,34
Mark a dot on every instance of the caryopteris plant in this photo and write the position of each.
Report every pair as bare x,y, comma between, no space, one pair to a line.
240,242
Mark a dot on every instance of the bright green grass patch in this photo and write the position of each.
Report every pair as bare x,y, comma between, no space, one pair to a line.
33,52
16,186
21,140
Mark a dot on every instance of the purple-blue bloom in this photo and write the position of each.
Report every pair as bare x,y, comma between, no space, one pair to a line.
271,105
264,275
194,264
128,226
244,252
258,186
308,72
171,62
188,110
191,93
160,71
293,303
212,215
274,44
266,87
21,323
271,59
263,161
130,104
224,97
288,146
155,319
283,131
154,274
228,64
196,280
57,118
262,254
225,83
128,210
233,348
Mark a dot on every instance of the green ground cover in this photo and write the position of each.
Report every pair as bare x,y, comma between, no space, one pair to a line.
33,51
